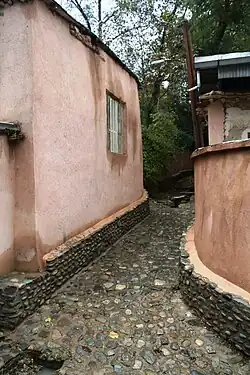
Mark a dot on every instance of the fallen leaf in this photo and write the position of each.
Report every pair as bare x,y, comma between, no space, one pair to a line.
113,335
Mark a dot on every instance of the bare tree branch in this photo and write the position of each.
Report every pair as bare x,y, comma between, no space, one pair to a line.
109,16
84,15
123,33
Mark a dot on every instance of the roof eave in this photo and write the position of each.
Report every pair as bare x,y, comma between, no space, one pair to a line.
214,61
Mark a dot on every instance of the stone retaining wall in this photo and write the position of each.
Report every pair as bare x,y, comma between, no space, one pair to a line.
225,313
21,294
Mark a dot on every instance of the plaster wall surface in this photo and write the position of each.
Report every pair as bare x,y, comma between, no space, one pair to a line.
228,122
78,181
237,123
16,80
222,203
216,118
7,206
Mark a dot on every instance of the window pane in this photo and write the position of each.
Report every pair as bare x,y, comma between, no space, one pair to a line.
115,125
108,119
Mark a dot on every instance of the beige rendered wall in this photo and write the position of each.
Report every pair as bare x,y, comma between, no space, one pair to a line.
78,182
237,123
216,119
222,221
227,122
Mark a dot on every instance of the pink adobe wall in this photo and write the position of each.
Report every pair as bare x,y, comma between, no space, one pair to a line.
16,105
77,181
64,178
216,118
222,206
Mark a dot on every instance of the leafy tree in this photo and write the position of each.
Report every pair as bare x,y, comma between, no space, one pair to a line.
160,139
227,25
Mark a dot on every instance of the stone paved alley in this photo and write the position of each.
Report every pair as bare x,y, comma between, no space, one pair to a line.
124,314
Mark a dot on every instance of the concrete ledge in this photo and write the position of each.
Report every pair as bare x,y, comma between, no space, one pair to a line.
223,306
22,294
222,147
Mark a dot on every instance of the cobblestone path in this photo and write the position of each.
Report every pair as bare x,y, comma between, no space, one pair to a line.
124,314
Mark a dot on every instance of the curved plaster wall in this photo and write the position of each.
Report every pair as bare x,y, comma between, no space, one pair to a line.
222,203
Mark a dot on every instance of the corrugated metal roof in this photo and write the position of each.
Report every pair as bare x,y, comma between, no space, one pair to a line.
234,71
214,61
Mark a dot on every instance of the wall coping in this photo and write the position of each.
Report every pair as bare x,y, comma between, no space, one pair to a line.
222,147
223,97
60,249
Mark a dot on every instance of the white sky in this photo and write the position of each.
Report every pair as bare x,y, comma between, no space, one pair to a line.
107,4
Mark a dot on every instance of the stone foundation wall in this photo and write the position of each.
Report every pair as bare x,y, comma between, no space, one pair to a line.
21,294
225,313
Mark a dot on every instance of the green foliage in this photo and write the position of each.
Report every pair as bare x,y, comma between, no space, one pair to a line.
227,25
160,143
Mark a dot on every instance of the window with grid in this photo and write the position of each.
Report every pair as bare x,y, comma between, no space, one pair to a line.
115,124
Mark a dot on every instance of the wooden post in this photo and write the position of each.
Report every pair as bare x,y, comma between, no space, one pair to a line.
198,135
100,19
